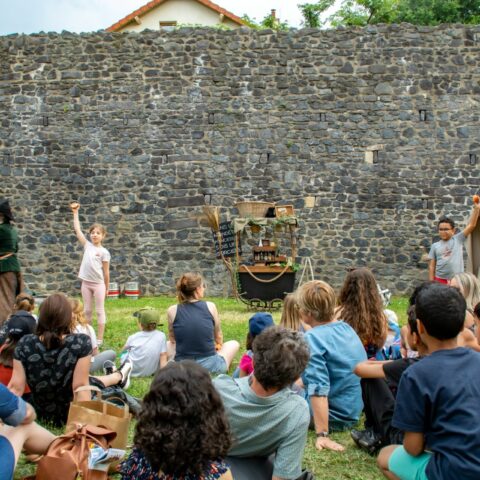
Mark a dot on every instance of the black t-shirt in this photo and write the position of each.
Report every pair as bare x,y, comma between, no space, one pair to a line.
50,372
439,397
393,370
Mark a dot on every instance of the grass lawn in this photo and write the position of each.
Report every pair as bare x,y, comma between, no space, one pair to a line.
352,464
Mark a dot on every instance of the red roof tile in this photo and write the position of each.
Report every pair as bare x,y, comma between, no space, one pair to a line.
154,3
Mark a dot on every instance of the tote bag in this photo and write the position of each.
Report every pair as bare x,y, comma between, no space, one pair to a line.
101,414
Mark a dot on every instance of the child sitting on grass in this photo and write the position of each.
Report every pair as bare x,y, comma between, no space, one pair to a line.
379,383
80,325
147,349
290,315
437,399
256,325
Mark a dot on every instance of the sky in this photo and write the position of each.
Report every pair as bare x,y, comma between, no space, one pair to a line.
31,16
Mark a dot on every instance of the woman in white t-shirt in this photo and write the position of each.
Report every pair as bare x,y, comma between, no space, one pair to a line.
80,325
94,270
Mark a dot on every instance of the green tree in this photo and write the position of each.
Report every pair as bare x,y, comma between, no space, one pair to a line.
365,12
417,12
311,12
268,22
428,12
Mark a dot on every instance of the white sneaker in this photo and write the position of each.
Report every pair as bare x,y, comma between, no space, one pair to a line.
126,370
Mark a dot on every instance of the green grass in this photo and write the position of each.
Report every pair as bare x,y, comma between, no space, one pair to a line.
352,464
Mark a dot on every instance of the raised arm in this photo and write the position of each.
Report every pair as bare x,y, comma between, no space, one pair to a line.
472,223
75,207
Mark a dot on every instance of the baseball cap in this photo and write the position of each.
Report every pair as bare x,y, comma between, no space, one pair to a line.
259,322
147,316
19,325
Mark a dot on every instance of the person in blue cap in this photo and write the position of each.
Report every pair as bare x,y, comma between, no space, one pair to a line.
256,325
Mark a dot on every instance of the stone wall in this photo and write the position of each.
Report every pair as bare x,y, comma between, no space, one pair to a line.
380,125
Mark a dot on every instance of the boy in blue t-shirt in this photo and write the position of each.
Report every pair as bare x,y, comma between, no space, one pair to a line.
437,399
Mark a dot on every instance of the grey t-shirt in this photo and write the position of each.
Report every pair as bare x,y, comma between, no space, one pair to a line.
448,256
265,425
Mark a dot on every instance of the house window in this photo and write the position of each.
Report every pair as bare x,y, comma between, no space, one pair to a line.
168,26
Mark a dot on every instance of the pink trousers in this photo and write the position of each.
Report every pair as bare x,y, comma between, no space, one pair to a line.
91,291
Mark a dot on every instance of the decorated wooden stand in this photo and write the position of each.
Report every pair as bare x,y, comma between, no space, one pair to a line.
262,280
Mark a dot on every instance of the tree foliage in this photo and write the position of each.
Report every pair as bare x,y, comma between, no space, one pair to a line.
268,22
417,12
311,12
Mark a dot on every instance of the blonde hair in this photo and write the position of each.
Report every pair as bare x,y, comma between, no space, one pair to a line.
290,315
78,316
318,299
470,288
102,229
187,285
24,301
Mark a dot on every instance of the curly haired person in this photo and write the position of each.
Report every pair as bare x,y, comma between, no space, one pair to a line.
182,431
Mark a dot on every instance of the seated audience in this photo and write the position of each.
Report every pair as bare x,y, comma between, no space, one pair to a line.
194,329
361,306
23,308
379,385
437,399
80,325
266,417
256,325
18,431
55,363
331,388
182,431
17,327
147,349
290,317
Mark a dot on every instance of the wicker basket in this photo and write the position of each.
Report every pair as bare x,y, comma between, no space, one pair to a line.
253,209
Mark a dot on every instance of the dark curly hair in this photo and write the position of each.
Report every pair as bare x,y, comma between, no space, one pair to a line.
182,426
280,357
362,308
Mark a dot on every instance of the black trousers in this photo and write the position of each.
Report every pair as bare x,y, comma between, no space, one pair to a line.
379,404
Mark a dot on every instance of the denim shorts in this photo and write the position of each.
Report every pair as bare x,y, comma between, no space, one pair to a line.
214,364
7,459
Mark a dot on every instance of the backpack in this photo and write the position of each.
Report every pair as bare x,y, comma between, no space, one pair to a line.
67,456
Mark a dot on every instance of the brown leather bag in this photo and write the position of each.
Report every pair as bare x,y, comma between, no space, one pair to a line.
67,455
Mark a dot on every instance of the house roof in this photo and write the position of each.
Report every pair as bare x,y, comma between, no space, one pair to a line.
154,3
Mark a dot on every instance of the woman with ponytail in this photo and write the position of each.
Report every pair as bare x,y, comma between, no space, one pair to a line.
194,328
